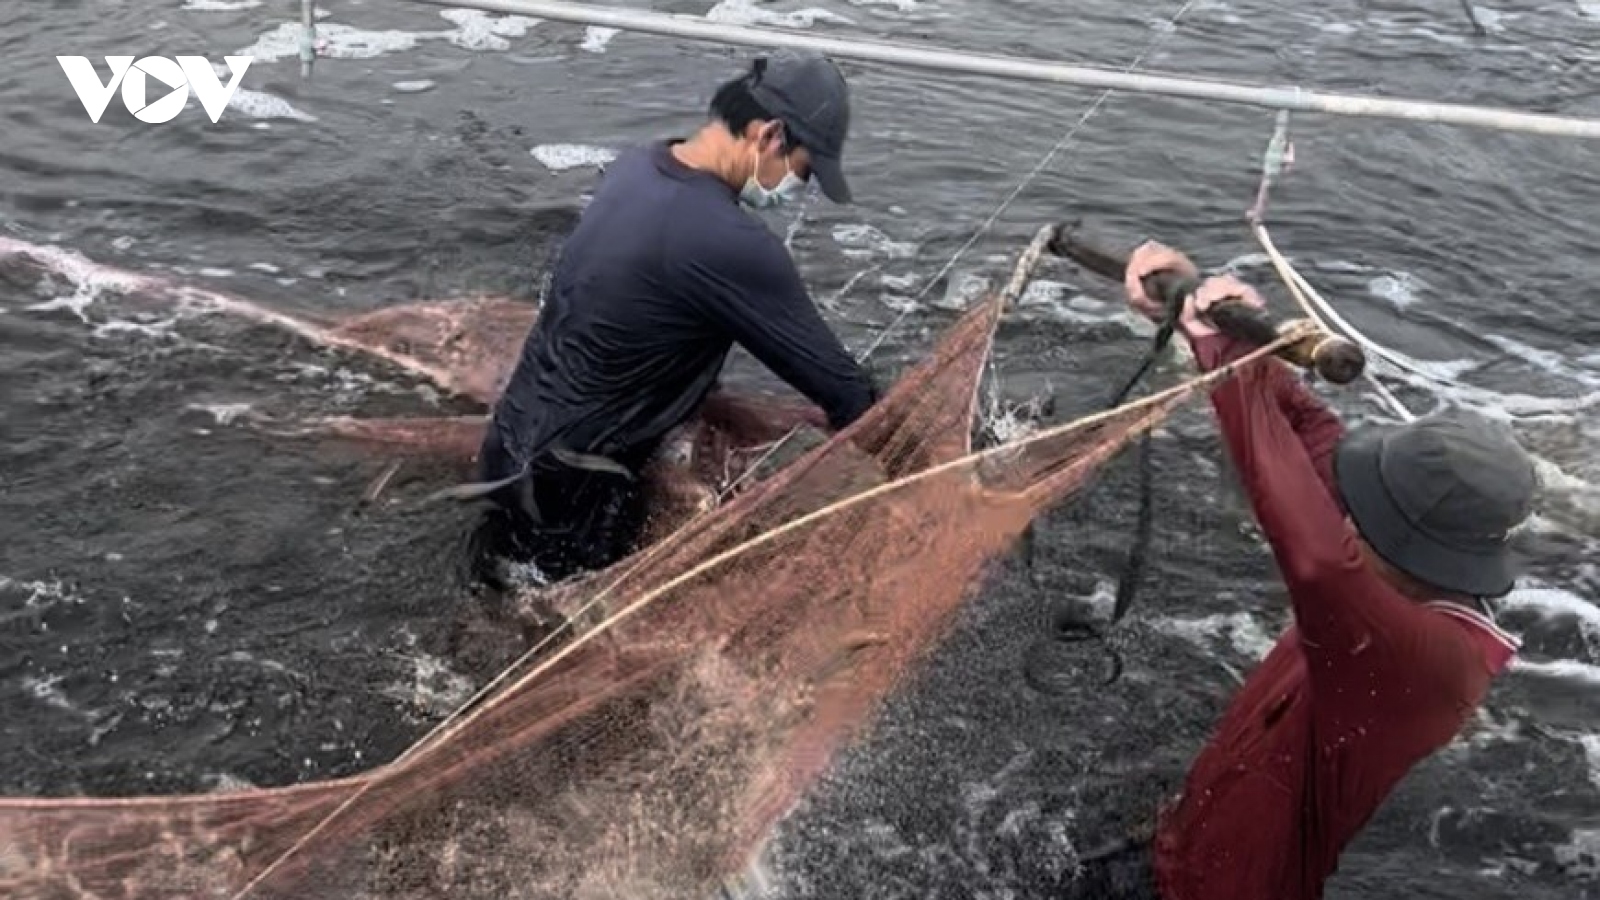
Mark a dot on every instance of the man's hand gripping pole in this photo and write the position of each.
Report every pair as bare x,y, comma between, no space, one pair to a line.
1330,356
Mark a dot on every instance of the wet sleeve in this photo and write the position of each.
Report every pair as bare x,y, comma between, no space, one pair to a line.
1340,604
748,285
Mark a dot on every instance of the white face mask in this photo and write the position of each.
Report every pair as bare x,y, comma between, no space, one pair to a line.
758,197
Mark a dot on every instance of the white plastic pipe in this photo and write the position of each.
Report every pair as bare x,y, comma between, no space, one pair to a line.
1023,69
308,36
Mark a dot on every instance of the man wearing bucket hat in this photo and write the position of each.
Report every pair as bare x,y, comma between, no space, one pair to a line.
1388,539
665,271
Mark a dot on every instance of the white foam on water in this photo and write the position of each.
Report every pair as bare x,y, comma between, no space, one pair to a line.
1062,302
1484,730
561,157
219,5
1588,9
41,595
798,222
336,42
1509,407
1553,602
596,39
305,370
1591,752
902,283
266,267
434,687
47,691
1400,291
1526,409
899,303
1559,669
1009,422
414,87
861,240
1393,27
229,783
341,385
1557,364
1240,629
1450,28
904,6
529,574
1046,293
245,657
746,12
1490,19
159,329
1442,370
478,30
89,280
261,105
1580,856
474,30
962,290
831,301
1442,378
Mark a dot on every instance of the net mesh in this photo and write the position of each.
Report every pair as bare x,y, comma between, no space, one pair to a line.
700,687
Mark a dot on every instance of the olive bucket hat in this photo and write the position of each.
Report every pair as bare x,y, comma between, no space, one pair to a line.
1438,498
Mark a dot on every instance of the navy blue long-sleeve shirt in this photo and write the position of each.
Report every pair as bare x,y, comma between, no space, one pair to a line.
662,275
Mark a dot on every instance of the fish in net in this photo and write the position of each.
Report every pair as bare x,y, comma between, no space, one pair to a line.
700,687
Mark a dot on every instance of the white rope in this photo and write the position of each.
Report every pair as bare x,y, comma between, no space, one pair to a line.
1320,311
1278,156
1024,69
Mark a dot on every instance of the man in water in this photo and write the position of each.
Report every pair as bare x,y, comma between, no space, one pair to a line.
665,271
1389,539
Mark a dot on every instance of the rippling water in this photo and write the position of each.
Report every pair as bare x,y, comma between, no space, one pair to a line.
185,604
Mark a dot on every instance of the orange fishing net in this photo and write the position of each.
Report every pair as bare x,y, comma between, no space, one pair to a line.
702,685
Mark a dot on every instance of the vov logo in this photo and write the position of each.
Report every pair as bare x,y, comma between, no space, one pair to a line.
178,78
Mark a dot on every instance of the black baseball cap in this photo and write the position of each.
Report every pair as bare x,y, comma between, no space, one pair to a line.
807,93
1439,497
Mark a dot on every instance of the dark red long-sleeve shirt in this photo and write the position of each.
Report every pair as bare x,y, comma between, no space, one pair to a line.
1365,684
